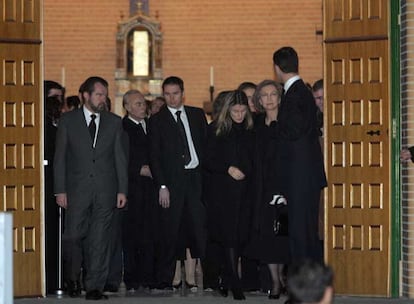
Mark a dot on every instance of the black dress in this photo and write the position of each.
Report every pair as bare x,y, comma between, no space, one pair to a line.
229,204
265,245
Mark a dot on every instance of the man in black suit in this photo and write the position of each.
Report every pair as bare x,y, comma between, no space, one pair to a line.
177,134
302,164
139,220
90,181
54,95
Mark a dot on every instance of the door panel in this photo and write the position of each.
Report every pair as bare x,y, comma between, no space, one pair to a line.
355,19
20,19
20,139
357,146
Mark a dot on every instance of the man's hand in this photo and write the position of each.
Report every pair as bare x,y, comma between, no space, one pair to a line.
235,173
145,171
62,200
405,154
121,200
164,197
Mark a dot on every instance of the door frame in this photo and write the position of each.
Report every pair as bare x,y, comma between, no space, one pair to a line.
395,145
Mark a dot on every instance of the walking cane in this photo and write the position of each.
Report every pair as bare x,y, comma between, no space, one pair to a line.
59,291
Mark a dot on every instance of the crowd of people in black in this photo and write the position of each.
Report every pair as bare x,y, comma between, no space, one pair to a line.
238,197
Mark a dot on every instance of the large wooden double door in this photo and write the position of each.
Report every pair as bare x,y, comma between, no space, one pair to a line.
20,137
357,145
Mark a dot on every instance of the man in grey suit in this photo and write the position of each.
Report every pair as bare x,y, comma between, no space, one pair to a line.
90,180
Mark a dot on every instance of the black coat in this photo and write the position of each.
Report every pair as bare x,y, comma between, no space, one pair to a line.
184,185
297,130
268,179
166,160
142,207
302,168
264,245
229,205
51,209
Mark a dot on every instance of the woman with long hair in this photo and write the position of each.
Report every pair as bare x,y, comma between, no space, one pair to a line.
229,161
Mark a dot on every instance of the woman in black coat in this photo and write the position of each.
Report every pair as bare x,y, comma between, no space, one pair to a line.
230,145
271,248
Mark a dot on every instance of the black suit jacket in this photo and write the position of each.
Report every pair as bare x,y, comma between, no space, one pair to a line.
297,133
140,220
138,149
167,163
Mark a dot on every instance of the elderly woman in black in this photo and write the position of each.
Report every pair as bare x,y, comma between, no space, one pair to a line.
229,158
271,245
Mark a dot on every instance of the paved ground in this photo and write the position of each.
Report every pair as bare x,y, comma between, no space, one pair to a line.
200,297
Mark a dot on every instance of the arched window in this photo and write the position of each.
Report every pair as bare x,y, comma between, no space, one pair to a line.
139,53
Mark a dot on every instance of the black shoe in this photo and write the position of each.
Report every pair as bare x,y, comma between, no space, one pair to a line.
131,287
110,288
252,290
177,286
210,287
274,296
238,294
164,287
73,289
223,291
95,295
152,286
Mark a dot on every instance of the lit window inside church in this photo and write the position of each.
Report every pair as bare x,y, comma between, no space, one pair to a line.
141,53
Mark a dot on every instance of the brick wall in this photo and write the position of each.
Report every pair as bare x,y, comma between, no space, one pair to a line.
80,36
237,38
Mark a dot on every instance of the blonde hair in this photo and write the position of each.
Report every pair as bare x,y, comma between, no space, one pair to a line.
224,121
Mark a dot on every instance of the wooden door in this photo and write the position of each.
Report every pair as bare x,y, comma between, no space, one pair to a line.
357,144
20,137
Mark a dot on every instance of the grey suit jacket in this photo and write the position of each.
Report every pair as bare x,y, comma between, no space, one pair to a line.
79,168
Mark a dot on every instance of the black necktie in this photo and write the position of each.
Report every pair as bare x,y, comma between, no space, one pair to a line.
141,125
186,149
92,127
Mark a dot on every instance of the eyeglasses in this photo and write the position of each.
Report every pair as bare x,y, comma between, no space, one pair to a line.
271,95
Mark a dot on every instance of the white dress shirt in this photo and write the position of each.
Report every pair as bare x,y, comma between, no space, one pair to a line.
139,122
289,82
194,158
88,119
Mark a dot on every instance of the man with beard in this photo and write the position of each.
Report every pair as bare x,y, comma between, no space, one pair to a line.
91,180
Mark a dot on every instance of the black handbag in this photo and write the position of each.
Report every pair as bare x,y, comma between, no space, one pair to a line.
280,220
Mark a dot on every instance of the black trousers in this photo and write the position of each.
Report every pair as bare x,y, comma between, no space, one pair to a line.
213,265
51,234
250,274
183,225
140,237
303,208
